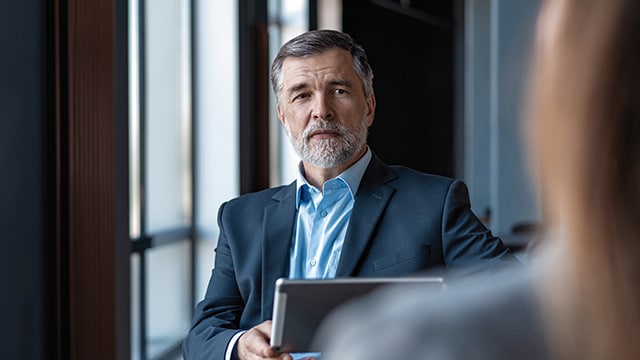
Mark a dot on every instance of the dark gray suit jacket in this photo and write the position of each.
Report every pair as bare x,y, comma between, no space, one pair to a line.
402,222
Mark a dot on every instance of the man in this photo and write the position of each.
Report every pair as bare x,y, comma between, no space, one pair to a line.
347,214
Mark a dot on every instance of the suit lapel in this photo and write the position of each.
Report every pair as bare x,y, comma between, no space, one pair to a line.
277,229
371,200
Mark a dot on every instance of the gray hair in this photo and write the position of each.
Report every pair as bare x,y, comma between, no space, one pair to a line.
318,41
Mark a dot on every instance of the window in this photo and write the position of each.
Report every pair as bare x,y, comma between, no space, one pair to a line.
183,159
217,123
161,176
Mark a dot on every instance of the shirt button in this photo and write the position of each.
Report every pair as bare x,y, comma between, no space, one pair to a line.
323,213
312,262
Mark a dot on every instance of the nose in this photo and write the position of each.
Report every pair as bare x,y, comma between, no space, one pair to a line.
322,108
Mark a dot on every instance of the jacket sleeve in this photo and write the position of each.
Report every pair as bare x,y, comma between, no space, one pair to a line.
466,242
217,316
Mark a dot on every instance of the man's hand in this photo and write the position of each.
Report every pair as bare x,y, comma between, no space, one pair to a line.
254,344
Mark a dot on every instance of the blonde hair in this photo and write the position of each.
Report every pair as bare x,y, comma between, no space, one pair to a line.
584,127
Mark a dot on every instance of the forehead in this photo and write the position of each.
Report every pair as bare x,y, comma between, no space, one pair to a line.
333,63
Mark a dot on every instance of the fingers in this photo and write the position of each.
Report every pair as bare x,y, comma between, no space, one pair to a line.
254,344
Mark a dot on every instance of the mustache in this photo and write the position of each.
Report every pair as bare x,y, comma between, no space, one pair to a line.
323,126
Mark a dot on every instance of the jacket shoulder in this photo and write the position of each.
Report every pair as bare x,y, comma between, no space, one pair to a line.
405,174
262,197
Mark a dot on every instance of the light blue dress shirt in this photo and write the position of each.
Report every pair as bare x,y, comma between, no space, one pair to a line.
321,225
322,220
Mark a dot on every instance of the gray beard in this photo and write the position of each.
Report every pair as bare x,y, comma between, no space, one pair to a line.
329,153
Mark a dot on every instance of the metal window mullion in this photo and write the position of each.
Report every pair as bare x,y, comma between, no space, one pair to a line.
142,73
194,152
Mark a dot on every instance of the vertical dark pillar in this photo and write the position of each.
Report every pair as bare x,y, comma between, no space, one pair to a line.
91,179
254,96
25,308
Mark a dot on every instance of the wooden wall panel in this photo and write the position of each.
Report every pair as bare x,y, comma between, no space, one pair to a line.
92,193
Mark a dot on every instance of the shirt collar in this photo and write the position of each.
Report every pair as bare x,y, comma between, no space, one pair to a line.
352,176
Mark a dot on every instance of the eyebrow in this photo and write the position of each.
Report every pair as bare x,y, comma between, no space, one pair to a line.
300,86
345,83
297,87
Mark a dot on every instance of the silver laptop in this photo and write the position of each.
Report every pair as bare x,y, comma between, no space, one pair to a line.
299,306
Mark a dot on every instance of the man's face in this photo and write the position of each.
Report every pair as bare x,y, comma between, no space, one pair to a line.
323,108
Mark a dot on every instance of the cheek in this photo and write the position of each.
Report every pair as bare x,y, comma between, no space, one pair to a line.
357,114
295,117
291,128
285,126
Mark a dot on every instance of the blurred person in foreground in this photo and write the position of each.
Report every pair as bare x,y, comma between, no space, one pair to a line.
581,298
347,214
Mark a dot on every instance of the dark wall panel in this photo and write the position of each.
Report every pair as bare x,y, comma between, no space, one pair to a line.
410,49
25,298
63,202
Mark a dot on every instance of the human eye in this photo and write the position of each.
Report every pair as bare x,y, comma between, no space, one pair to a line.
340,91
301,96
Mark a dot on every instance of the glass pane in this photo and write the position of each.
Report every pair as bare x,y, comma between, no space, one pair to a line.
134,120
168,114
217,123
205,262
168,296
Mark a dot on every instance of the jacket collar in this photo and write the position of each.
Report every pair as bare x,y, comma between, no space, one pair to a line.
371,200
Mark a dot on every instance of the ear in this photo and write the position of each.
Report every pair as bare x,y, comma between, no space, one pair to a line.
280,114
370,108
